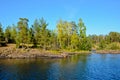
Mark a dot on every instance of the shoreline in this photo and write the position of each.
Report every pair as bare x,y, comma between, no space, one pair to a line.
107,51
13,53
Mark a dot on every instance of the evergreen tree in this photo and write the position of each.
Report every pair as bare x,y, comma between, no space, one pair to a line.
44,33
1,33
82,28
40,32
8,34
13,33
22,32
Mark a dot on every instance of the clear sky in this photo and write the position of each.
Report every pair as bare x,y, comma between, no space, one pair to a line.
99,16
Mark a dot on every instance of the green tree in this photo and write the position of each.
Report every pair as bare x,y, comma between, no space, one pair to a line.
40,32
64,32
37,32
74,36
30,36
53,40
1,33
8,34
102,44
44,33
74,41
13,33
60,34
85,42
114,37
82,28
22,36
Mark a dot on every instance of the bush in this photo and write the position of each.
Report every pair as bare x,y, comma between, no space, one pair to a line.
114,46
85,44
102,44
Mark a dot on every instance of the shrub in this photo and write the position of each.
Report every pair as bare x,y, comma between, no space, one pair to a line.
114,46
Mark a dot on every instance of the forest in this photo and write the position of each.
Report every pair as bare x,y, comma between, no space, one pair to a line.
66,36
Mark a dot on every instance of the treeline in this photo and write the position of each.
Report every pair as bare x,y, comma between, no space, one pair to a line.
67,35
109,42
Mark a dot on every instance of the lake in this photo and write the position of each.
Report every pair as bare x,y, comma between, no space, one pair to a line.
77,67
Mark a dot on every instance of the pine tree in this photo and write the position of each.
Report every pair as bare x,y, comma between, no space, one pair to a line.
22,32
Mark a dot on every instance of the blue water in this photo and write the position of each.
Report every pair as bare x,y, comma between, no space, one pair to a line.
77,67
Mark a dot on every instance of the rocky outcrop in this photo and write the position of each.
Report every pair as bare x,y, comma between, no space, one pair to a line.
11,52
108,51
28,53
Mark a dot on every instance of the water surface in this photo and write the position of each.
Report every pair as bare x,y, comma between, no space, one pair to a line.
77,67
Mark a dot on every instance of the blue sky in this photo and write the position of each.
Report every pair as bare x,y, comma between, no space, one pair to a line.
99,16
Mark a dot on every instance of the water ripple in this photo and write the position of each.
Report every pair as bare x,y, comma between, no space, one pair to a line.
78,67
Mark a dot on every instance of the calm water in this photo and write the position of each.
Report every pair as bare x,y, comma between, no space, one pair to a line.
78,67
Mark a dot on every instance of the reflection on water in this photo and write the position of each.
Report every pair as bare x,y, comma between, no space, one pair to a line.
77,67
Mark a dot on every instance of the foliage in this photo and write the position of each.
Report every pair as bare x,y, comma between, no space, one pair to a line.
22,36
41,34
102,44
106,41
1,33
85,44
67,36
82,28
114,46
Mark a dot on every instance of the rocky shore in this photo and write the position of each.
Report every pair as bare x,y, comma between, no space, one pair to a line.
32,53
108,51
13,53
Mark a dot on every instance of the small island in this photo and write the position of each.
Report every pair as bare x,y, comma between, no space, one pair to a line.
69,38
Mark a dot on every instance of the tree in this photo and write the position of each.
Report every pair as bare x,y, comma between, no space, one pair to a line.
30,36
1,33
37,31
8,34
114,37
85,43
64,32
44,33
74,41
13,33
22,36
53,40
40,32
74,36
60,34
102,44
82,28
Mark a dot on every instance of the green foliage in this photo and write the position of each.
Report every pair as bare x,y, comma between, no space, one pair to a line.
114,46
62,32
8,34
13,33
114,37
75,41
22,36
41,34
106,41
69,37
66,36
102,44
30,36
82,28
1,33
85,44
